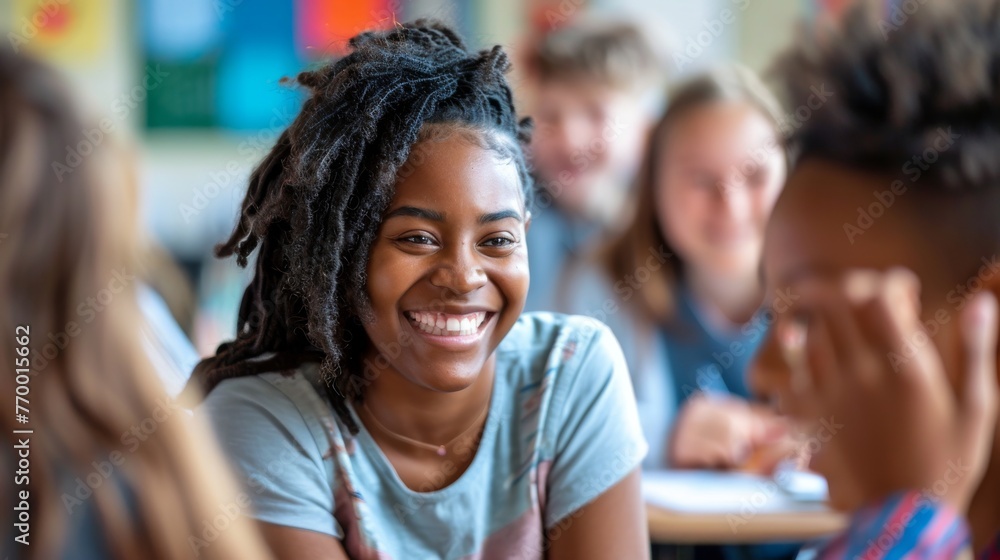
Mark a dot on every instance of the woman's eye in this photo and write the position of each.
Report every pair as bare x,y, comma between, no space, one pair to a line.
418,240
498,242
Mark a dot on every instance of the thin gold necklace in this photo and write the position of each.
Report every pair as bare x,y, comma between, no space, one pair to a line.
441,450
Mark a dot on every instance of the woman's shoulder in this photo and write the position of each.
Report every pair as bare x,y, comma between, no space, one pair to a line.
542,331
276,392
285,403
546,344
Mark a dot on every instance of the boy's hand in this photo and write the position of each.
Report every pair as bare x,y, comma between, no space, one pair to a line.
910,422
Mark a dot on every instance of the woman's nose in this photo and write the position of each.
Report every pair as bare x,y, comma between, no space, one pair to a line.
733,198
460,272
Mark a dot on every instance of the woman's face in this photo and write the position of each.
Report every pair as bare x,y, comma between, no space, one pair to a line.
448,271
719,171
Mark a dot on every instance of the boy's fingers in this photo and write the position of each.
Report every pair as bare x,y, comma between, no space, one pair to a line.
821,366
862,358
834,304
890,319
978,385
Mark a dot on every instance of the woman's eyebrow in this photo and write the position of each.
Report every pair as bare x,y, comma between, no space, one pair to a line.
501,215
414,212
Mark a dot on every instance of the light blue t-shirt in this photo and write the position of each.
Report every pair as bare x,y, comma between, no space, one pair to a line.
562,428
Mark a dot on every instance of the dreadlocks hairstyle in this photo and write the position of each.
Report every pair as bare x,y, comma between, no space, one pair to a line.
914,96
314,204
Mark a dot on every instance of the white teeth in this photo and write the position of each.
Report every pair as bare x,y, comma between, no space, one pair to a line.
442,325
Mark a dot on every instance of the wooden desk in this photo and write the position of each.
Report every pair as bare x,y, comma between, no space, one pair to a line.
670,527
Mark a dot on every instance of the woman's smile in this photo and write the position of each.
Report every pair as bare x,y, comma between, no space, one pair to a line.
450,330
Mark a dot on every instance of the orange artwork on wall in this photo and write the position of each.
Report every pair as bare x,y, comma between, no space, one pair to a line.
65,30
324,26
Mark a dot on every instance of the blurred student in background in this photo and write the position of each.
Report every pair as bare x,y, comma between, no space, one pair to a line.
597,90
894,332
115,469
680,287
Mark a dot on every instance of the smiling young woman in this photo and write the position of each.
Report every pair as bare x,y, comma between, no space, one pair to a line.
385,396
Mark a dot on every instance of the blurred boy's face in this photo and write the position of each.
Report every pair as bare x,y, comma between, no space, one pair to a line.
810,235
719,172
587,142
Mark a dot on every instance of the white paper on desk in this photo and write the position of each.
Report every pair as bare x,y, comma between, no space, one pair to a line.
727,492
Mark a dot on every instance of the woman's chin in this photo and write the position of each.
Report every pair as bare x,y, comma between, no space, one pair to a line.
449,382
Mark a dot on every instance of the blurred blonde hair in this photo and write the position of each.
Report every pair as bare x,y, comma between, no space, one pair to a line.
605,51
66,232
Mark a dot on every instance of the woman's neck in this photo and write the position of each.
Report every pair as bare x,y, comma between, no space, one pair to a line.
726,302
433,417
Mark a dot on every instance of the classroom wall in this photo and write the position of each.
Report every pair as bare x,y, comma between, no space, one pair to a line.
766,28
193,179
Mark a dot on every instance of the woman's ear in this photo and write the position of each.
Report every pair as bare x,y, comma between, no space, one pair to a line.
527,220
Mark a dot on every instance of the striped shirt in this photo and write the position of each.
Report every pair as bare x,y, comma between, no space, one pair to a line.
907,525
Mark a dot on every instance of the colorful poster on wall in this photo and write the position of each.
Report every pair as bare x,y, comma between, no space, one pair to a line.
324,26
72,31
832,9
178,30
226,58
259,52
